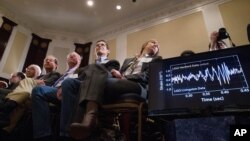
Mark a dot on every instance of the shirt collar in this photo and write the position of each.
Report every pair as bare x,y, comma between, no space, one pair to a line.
102,58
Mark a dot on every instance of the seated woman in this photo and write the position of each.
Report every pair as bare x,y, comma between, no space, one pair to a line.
132,78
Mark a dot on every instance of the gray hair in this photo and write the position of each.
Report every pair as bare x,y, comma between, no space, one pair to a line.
38,70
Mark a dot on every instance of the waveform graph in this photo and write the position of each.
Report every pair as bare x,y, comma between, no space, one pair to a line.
216,74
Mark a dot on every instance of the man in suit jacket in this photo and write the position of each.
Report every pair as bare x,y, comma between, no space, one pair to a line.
13,83
67,97
69,91
41,96
132,78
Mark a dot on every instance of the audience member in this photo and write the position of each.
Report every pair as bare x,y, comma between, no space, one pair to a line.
216,44
132,78
21,94
41,95
9,104
24,89
187,53
3,84
217,38
70,87
13,83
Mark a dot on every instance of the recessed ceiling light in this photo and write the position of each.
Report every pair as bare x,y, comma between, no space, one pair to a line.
90,3
118,7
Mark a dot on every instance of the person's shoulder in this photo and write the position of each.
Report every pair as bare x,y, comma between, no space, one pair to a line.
155,58
113,61
113,64
3,84
130,59
55,73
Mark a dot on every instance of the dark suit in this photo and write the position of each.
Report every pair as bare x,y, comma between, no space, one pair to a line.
97,84
50,78
71,87
94,76
5,91
134,83
142,77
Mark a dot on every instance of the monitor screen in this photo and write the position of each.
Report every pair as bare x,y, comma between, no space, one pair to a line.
218,79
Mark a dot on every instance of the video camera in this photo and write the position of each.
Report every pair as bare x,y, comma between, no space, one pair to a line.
222,34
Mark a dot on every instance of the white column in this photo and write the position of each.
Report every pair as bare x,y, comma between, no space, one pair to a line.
121,47
212,18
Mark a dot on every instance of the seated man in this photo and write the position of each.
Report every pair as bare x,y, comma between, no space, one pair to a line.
42,95
22,93
13,83
8,105
70,87
132,78
3,84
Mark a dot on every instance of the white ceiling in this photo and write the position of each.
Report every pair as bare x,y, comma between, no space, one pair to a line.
73,16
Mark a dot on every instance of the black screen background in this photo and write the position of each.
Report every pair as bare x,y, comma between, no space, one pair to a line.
235,94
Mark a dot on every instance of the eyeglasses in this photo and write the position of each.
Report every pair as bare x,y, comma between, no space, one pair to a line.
30,68
14,76
49,60
101,44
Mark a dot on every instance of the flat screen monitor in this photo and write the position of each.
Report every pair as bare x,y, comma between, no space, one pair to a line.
218,79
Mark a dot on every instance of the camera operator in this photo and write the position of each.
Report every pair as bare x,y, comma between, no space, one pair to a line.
217,40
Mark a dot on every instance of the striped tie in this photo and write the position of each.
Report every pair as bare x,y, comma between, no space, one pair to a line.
59,81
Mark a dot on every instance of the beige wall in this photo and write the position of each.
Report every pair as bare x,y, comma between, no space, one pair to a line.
112,47
15,55
61,54
236,16
185,33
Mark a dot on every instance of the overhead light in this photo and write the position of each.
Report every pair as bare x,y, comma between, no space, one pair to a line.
118,7
90,3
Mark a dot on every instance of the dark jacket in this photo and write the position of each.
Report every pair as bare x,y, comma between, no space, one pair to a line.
95,75
50,78
142,77
107,67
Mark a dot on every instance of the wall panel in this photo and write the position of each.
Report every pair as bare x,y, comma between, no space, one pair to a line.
175,36
15,55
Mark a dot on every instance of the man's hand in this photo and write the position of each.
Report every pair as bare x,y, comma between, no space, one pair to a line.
214,36
59,94
116,74
40,82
